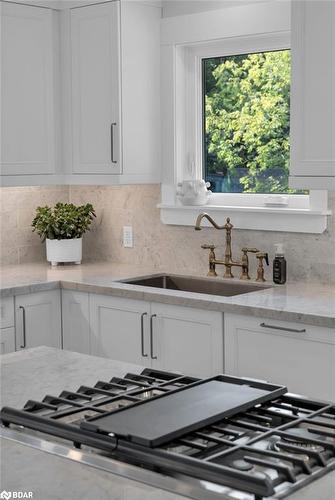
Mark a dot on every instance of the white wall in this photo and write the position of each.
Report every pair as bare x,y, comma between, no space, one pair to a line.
172,8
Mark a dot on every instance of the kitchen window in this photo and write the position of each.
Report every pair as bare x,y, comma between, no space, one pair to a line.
231,127
246,122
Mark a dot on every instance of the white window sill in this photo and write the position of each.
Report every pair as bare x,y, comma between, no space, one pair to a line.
297,220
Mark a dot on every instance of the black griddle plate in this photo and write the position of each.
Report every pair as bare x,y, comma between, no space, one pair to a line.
167,417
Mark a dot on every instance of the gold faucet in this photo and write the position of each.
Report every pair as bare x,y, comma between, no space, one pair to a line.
228,261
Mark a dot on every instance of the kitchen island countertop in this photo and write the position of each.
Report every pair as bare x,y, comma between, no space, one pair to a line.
310,303
33,373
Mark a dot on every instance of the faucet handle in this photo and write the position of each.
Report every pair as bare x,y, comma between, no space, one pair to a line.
245,262
249,250
211,259
260,270
208,247
263,255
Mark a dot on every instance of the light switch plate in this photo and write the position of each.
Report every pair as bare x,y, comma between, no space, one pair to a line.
128,240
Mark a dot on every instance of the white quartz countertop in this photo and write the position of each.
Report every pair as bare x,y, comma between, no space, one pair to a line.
310,303
33,373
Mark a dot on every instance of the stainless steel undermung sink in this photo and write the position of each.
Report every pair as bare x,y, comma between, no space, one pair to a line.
211,286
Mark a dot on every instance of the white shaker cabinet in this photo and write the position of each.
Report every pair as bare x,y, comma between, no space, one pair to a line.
313,95
302,357
80,93
157,335
96,126
27,91
115,93
118,328
38,320
76,321
6,312
7,330
7,340
186,340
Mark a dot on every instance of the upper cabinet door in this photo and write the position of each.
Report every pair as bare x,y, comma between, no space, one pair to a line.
27,90
95,41
313,92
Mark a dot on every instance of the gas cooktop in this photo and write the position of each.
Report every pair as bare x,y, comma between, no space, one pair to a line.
254,442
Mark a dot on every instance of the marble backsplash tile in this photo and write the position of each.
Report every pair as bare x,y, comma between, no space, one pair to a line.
17,208
175,248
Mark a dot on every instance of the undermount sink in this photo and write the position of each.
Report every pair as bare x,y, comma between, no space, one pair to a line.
210,286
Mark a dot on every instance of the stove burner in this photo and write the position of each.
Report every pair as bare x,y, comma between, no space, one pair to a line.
242,465
296,438
300,434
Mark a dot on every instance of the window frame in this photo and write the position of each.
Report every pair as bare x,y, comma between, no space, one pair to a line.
224,48
299,213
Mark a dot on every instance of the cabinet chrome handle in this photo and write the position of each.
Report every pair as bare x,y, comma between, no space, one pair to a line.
23,327
112,143
152,336
142,334
292,330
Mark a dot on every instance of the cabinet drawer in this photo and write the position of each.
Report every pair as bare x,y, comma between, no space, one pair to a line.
297,355
284,328
7,340
6,312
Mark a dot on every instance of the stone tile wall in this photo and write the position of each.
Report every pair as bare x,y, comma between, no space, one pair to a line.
175,248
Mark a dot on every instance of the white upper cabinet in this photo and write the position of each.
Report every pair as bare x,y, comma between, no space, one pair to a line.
80,94
95,89
115,93
27,91
140,56
313,94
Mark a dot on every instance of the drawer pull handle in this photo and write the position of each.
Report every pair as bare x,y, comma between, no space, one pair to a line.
152,336
23,327
142,335
292,330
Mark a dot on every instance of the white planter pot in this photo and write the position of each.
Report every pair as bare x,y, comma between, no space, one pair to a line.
64,251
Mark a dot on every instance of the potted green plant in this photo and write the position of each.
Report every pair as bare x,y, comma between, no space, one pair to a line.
62,228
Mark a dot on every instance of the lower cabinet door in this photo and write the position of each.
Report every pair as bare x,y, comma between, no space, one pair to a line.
38,320
76,321
119,328
302,357
7,340
186,340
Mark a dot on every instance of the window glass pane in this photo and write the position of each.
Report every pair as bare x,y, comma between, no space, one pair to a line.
246,111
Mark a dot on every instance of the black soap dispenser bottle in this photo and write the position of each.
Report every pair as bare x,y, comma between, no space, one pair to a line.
279,265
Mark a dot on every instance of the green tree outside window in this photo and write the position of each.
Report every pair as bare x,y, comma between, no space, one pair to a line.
247,122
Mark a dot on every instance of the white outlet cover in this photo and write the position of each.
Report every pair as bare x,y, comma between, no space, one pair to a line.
128,240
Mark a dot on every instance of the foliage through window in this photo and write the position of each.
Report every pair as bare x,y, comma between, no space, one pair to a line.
246,105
